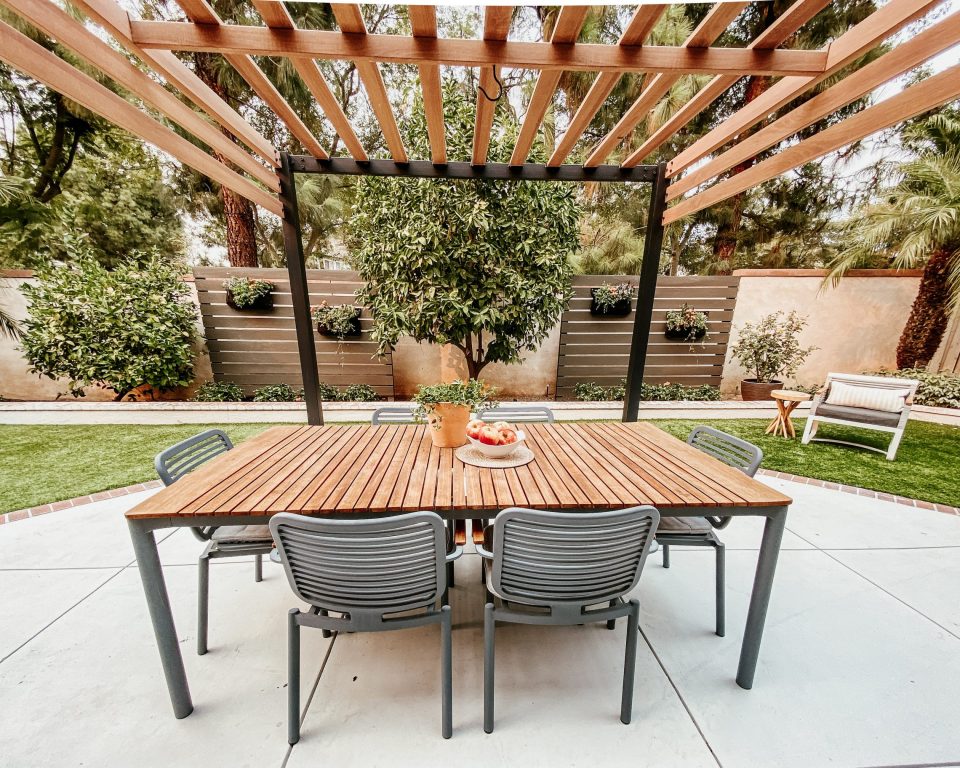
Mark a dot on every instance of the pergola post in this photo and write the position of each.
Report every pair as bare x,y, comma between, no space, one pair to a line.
299,292
652,245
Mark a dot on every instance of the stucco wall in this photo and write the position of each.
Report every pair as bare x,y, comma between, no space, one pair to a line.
855,326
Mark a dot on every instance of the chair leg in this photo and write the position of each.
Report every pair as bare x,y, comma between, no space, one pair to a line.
612,623
894,445
293,677
488,629
666,555
203,602
630,662
450,575
809,430
324,632
446,673
258,568
721,591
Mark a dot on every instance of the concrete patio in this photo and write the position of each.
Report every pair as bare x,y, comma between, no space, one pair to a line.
860,664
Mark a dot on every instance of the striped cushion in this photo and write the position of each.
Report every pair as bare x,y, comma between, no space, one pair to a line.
875,398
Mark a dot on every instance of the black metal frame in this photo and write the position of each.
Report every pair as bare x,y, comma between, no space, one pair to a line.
424,169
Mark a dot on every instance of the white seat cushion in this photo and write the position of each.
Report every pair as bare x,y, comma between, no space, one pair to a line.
874,398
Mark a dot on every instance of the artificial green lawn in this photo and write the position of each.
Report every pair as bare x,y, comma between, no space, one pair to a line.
41,464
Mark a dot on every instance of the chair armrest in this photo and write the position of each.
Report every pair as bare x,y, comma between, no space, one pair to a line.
484,553
908,401
451,556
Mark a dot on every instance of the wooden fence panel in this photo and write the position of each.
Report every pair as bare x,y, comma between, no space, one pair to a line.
597,349
253,348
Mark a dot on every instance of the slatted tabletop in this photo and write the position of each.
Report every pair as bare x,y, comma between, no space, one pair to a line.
365,469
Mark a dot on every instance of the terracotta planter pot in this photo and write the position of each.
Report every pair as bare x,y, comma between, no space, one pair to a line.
758,390
452,429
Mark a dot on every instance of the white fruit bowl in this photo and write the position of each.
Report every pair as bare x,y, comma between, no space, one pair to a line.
497,451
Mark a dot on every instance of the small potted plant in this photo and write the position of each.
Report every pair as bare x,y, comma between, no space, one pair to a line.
769,349
339,321
246,295
446,408
612,300
686,324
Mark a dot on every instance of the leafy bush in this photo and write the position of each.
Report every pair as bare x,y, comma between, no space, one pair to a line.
336,320
247,292
591,391
940,390
276,393
769,348
360,393
119,329
218,392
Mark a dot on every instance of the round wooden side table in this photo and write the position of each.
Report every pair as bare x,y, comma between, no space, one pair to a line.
787,400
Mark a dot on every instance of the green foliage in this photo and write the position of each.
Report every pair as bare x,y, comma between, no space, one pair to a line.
337,320
937,389
119,330
276,393
357,393
606,296
591,391
688,320
218,392
247,292
472,393
480,265
770,347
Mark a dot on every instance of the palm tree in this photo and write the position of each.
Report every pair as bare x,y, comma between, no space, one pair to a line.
915,222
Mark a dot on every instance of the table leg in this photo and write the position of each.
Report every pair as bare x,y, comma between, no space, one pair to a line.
760,597
788,421
158,603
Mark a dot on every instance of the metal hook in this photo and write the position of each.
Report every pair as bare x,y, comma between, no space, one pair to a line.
499,85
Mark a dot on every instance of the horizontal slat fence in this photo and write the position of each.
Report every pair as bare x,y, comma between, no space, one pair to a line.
597,349
257,348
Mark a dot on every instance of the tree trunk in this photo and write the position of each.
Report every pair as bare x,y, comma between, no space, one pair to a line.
929,314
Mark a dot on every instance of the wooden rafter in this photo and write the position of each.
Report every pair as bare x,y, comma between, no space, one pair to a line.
350,19
915,100
775,35
201,12
70,33
567,29
423,20
902,58
643,21
856,41
399,49
713,25
276,15
117,22
21,53
496,26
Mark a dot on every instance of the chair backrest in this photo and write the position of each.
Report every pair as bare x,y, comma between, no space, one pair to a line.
364,568
729,449
395,414
177,460
518,414
570,558
873,382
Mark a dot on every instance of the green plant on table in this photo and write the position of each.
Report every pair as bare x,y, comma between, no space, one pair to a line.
770,347
337,320
472,393
247,292
218,392
275,393
688,321
607,296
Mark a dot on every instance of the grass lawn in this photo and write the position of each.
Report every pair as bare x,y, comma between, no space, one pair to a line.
41,464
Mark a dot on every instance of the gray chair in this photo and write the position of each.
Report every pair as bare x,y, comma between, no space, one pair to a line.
395,414
225,541
518,414
566,568
370,572
698,531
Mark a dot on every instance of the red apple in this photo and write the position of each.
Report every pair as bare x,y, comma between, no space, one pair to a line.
489,435
508,436
473,428
502,425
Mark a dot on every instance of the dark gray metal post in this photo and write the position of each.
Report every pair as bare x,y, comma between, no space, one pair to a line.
300,293
652,245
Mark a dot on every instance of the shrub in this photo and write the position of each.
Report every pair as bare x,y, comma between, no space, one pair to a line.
361,393
769,348
247,292
590,391
276,393
218,392
119,329
940,390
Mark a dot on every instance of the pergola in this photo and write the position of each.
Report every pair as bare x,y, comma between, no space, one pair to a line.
253,168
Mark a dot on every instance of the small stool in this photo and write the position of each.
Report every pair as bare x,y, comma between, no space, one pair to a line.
787,400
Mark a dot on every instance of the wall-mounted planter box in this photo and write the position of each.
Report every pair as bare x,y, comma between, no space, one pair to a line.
352,333
681,334
621,308
260,304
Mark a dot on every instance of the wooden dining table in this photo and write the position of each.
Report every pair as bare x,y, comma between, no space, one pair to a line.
348,471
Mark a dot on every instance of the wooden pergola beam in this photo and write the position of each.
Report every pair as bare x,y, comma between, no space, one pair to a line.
399,49
900,59
567,29
350,19
643,21
915,100
855,42
496,26
70,33
35,61
276,16
423,20
117,22
713,25
775,35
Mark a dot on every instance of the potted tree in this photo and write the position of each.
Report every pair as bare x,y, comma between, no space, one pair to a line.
247,295
612,300
446,408
338,321
769,349
686,324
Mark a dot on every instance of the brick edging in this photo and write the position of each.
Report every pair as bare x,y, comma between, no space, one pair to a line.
23,514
